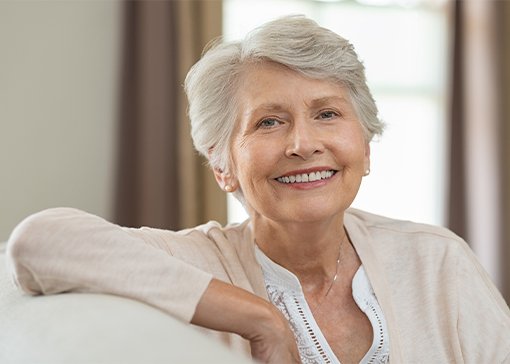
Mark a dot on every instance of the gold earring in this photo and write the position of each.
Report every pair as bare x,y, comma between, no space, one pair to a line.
367,172
228,188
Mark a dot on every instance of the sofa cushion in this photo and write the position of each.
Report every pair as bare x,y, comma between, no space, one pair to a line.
96,328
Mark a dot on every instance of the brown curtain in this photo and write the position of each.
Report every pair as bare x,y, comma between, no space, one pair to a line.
161,181
504,40
479,201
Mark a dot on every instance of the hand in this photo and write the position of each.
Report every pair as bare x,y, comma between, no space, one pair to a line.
274,342
228,308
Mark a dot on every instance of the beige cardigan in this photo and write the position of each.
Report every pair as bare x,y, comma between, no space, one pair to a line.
439,303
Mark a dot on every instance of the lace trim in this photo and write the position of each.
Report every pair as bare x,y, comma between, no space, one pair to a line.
311,333
310,349
284,291
378,356
365,298
381,334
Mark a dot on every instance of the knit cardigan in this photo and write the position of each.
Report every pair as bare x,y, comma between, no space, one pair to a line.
439,303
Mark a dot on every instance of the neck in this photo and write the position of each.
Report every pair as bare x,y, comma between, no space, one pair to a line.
309,250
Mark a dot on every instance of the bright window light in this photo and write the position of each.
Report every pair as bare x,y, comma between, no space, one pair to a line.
404,46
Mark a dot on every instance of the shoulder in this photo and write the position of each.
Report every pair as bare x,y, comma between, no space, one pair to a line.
214,228
399,239
382,224
211,230
432,265
210,237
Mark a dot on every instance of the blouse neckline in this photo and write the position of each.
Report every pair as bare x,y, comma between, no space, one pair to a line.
278,278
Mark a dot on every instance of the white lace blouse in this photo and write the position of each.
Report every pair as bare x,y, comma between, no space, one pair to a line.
285,292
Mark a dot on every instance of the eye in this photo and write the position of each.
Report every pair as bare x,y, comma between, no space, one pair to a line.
327,114
269,123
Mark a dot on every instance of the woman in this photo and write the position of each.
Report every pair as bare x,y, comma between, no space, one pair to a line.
285,119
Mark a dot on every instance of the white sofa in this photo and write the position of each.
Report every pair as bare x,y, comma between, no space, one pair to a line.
93,328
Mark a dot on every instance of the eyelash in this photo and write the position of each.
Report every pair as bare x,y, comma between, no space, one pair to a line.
320,116
333,114
261,123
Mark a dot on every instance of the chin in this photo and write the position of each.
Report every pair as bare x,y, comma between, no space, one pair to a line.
312,214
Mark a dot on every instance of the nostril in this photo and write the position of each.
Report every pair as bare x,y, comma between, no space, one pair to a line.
303,141
304,151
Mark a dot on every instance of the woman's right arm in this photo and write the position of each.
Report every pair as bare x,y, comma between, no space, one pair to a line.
224,307
68,250
64,250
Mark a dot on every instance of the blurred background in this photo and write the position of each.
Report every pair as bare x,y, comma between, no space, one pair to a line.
93,116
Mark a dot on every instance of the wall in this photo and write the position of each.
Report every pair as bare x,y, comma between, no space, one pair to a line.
58,82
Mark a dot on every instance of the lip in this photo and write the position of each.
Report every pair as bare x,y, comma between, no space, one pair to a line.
307,185
307,170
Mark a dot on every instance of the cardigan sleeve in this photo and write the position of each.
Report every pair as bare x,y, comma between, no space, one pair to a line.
483,315
67,250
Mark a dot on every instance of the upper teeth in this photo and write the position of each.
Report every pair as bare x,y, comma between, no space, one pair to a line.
306,177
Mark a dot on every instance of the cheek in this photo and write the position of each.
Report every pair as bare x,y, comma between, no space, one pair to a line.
253,161
259,160
351,149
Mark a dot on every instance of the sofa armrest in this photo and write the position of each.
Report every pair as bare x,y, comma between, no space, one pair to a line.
96,328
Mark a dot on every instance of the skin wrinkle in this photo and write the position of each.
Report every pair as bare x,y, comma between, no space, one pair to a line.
243,143
238,86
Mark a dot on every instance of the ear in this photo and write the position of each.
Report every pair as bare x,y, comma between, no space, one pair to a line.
225,180
367,158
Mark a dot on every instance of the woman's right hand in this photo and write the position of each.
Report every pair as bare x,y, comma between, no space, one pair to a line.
225,307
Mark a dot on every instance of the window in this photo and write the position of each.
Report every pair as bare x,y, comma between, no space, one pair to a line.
404,46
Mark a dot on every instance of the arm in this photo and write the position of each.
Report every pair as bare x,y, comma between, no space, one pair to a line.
224,307
62,250
483,315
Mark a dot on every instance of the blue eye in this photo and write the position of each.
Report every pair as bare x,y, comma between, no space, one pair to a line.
269,123
325,115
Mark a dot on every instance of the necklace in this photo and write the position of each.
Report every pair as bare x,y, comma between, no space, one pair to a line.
334,277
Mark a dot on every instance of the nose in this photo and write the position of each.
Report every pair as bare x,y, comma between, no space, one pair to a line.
303,140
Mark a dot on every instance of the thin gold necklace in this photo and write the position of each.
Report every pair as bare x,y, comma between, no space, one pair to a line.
334,277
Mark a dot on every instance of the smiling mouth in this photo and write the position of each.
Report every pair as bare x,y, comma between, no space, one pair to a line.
307,177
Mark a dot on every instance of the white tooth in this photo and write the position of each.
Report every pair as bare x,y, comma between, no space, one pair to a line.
304,177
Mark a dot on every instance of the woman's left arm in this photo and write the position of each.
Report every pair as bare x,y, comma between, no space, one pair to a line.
483,315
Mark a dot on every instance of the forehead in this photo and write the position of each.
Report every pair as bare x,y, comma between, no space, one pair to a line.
270,84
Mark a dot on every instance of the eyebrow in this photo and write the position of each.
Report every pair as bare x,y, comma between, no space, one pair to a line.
267,107
270,106
327,99
277,107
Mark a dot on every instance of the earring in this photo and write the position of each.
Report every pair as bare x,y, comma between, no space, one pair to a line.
367,172
228,188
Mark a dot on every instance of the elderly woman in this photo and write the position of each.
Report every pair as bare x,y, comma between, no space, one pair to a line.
285,119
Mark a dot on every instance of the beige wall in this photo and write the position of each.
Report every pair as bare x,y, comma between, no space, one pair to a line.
58,80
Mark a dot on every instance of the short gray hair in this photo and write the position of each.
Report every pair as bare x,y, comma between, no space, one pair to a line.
293,41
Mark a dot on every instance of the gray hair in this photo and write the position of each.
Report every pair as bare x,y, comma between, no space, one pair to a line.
293,41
